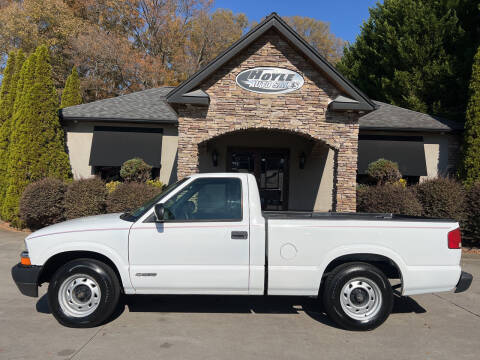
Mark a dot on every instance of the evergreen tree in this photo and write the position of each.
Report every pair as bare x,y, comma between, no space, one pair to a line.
25,81
6,105
6,127
72,94
37,147
416,54
470,170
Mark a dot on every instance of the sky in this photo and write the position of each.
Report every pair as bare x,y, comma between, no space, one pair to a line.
344,16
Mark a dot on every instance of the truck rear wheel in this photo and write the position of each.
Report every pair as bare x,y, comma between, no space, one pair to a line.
358,296
83,293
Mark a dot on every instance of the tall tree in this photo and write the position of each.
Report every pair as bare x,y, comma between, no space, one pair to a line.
470,170
408,54
9,191
6,126
209,35
6,105
318,34
27,24
72,94
37,149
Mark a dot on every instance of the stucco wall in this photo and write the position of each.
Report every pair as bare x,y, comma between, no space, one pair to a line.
304,111
442,151
79,142
436,155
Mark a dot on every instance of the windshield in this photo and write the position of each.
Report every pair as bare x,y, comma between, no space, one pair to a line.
138,213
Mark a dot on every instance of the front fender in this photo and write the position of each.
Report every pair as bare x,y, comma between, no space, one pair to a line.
121,264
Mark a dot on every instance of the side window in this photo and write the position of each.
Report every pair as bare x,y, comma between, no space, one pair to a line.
207,199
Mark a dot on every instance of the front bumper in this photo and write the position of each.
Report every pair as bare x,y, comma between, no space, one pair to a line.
464,282
26,278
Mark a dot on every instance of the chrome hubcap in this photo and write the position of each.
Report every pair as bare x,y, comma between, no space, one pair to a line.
361,299
79,295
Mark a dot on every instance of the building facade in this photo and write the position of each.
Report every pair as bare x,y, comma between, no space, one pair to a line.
269,105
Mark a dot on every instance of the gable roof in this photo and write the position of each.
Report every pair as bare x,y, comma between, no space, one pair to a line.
141,106
273,21
390,117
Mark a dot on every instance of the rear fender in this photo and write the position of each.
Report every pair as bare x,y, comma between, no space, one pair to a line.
363,249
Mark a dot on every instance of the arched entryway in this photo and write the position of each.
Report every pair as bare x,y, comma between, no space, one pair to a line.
293,170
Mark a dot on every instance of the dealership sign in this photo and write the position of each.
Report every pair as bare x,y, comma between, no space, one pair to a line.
269,80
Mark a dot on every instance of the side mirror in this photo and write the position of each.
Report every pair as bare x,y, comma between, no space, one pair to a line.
159,211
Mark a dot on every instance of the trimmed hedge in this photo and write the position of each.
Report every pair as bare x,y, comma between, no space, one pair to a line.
384,172
42,203
471,226
388,198
442,198
135,170
85,197
128,196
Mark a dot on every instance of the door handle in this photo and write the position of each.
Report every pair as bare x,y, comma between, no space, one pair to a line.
239,235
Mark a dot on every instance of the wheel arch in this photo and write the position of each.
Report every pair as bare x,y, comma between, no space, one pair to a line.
384,263
391,267
54,262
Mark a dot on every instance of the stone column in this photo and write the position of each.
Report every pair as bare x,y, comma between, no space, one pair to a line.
346,174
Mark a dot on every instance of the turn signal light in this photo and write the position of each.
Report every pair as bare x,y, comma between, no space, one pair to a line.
455,239
25,259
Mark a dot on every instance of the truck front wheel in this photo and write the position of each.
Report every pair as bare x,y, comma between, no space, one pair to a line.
357,296
83,293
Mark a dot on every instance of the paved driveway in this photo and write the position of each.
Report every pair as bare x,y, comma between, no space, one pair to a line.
442,326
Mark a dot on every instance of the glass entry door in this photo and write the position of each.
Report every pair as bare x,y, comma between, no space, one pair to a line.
270,167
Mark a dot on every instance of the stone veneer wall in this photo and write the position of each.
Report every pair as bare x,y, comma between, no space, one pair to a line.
304,112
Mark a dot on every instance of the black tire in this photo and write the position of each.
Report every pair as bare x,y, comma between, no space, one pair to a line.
346,274
107,281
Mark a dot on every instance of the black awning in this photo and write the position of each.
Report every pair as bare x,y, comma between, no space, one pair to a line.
407,152
112,146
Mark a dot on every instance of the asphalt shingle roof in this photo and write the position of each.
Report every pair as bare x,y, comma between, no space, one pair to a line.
390,117
147,105
151,105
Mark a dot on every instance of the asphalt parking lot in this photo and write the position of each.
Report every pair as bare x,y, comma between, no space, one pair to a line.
437,326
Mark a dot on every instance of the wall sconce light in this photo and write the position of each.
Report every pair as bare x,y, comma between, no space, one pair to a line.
302,160
215,158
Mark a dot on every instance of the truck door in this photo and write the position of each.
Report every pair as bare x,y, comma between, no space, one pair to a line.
202,246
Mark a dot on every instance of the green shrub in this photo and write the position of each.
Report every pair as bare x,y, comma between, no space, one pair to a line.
130,195
388,198
471,225
442,198
42,203
85,197
384,172
135,170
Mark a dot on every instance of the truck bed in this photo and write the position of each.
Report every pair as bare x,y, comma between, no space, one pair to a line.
294,239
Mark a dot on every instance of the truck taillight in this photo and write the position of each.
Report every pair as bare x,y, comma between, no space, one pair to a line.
455,239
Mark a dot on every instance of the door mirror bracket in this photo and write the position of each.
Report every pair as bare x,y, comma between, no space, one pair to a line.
159,212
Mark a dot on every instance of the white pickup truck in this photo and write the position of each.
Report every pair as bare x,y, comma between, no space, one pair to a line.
207,234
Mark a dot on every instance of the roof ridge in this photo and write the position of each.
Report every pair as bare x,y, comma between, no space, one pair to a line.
392,117
415,111
123,95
